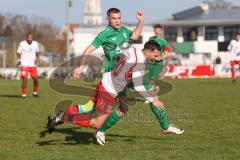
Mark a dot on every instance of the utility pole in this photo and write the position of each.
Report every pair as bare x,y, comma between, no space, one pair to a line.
69,4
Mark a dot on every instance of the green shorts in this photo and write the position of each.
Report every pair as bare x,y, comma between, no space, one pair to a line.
152,73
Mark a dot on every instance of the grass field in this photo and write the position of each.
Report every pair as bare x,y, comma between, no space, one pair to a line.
208,110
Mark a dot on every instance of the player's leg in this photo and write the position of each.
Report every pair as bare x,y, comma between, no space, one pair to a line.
161,116
116,115
113,117
74,116
155,76
24,75
233,71
147,78
34,75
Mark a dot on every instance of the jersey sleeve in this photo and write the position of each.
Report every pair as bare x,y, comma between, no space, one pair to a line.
230,45
99,40
128,31
137,77
165,44
19,50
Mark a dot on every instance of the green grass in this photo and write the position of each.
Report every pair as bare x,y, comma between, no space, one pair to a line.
208,110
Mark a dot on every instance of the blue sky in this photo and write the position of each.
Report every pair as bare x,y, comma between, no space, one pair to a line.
55,10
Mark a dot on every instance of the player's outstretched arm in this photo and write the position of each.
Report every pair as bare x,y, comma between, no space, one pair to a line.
88,51
137,31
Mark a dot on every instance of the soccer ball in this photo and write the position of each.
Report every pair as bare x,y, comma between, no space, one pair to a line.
88,73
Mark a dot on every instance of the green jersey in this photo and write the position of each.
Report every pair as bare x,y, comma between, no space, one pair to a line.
111,40
163,43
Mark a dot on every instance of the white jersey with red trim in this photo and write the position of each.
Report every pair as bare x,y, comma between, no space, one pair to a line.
131,65
234,48
28,53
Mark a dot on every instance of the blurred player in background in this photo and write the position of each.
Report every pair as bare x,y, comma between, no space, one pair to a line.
28,59
234,48
153,68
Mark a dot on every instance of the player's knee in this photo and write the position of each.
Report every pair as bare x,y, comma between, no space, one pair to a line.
121,113
94,123
35,80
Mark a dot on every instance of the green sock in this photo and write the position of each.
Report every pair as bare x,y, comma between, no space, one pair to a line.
110,121
160,115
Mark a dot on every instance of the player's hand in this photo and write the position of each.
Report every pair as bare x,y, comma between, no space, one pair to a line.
36,62
140,15
18,64
77,72
156,102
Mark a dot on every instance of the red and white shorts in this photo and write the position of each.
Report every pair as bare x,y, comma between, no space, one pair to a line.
103,100
25,70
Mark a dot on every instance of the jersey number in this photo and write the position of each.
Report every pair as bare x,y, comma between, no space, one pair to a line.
119,67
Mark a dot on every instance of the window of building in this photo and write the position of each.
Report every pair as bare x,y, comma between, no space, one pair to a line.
170,34
230,32
190,33
211,33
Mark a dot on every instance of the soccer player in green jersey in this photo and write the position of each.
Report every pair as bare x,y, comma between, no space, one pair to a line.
153,68
111,39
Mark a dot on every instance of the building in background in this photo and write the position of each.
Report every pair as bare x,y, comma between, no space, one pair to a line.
202,33
197,35
92,12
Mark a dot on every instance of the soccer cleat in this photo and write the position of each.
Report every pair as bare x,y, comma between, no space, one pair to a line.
146,102
172,129
24,95
35,94
54,121
100,137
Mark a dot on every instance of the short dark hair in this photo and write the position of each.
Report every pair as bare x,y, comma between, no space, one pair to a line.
113,10
152,45
157,26
238,34
28,33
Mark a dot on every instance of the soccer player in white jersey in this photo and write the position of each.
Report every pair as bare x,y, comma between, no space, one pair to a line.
234,48
28,58
131,66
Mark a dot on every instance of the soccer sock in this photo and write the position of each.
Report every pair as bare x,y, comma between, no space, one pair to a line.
35,88
233,71
160,115
24,90
86,108
82,120
112,119
69,113
72,115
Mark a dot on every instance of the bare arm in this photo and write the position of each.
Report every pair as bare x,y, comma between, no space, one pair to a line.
151,96
18,64
88,51
18,56
137,31
37,58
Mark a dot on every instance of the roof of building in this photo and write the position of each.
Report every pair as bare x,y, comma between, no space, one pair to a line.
207,13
